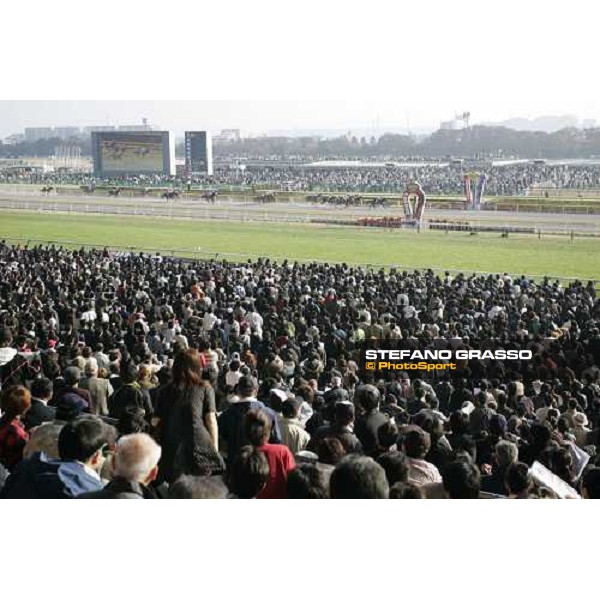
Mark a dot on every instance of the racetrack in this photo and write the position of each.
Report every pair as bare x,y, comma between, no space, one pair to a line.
234,209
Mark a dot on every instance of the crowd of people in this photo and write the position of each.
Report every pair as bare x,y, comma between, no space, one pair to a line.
139,376
516,179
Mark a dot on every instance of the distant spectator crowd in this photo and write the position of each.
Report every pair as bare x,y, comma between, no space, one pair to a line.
147,377
503,180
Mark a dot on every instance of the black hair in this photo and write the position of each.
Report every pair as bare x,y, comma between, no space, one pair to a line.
367,396
517,478
462,480
591,483
330,451
387,434
395,465
257,426
416,442
358,477
406,491
307,482
81,438
188,487
249,473
42,388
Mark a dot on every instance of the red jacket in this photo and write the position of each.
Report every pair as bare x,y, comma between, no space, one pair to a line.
281,462
13,438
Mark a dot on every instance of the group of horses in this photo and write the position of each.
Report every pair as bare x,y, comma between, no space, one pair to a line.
209,196
347,200
266,198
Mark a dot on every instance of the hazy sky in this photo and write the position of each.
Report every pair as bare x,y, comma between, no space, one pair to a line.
314,65
251,116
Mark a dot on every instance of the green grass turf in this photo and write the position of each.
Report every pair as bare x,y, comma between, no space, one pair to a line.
555,256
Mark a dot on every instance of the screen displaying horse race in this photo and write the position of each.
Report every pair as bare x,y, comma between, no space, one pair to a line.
123,152
131,152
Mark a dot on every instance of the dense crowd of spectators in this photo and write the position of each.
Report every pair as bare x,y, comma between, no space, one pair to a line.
503,180
136,376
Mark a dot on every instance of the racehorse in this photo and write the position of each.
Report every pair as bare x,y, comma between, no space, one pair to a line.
210,196
47,189
116,192
171,195
268,197
378,202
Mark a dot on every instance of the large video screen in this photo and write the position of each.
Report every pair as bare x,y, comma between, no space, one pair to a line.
132,153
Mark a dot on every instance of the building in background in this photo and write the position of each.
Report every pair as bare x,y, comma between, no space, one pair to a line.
91,128
66,133
14,139
198,152
130,153
34,134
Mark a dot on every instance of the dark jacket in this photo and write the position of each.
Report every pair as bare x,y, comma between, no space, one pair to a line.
127,396
38,413
348,439
366,429
187,447
41,478
120,489
232,428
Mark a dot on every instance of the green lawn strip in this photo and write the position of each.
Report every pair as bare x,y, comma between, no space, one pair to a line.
517,254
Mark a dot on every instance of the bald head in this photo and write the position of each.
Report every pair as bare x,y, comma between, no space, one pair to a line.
136,457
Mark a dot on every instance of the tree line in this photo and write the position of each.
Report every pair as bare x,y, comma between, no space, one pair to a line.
476,141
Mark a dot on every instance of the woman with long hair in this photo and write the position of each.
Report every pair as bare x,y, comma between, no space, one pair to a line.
15,401
281,460
187,423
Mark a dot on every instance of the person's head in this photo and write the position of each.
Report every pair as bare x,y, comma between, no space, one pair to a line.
590,486
128,372
344,413
246,387
461,480
330,451
44,439
15,401
132,420
258,427
290,409
402,490
249,473
416,442
84,440
387,435
367,397
91,369
6,337
358,477
506,453
187,370
136,458
307,482
72,375
144,373
517,480
459,423
497,425
42,389
193,487
395,465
